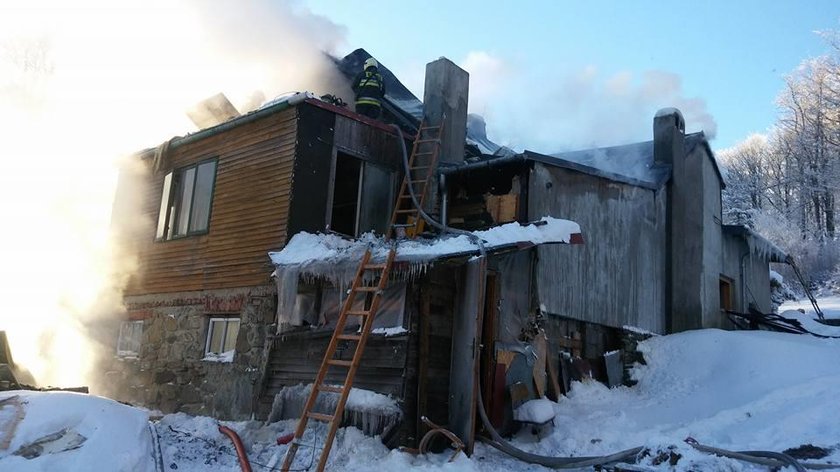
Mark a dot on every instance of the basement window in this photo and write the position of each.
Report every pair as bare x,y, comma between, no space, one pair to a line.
131,334
186,200
362,196
221,339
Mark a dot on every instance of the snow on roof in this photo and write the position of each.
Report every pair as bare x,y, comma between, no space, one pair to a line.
337,258
757,244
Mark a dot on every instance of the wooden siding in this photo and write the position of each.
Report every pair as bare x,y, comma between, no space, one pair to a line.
248,214
617,277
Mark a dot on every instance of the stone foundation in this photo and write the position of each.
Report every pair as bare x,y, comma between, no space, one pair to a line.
170,375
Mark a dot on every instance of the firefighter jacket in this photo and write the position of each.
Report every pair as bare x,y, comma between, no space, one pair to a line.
369,87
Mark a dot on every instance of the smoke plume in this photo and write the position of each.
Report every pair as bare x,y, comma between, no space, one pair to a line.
539,110
82,86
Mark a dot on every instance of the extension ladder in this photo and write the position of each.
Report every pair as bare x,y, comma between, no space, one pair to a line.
422,164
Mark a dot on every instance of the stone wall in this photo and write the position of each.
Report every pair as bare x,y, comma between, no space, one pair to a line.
170,374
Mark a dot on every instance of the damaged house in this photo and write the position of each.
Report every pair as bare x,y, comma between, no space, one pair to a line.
260,221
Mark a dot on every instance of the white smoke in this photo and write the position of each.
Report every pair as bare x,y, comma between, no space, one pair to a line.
583,108
82,85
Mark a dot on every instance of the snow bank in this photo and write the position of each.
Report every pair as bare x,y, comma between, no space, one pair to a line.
810,323
535,411
830,306
731,389
116,437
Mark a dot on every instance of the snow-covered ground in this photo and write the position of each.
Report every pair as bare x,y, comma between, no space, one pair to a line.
830,306
737,390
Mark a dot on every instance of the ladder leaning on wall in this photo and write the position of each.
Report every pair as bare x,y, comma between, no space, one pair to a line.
369,283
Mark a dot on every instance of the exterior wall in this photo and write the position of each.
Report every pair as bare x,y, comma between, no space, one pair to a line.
733,249
323,134
248,214
170,374
617,277
712,241
751,273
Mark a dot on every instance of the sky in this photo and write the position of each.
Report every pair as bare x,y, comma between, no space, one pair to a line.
721,62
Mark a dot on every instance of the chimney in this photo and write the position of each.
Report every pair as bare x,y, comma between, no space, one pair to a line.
668,136
446,95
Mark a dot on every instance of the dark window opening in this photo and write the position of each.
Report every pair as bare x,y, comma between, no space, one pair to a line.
186,200
363,195
348,173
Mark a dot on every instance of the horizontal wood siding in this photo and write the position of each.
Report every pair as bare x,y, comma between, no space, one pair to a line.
296,360
248,216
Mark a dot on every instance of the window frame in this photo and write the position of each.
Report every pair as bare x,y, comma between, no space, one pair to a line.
170,192
364,164
226,320
126,353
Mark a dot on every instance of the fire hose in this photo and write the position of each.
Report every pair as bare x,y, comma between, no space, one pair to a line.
244,463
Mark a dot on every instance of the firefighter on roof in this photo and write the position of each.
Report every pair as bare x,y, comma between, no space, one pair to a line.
369,88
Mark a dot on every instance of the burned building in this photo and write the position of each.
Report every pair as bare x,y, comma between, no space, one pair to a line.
216,326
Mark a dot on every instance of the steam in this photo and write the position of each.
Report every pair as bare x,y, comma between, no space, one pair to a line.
82,86
536,109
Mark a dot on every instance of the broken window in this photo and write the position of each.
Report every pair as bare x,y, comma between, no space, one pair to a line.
390,313
221,336
186,200
131,334
362,196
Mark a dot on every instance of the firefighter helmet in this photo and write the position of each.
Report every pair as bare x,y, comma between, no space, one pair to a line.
371,62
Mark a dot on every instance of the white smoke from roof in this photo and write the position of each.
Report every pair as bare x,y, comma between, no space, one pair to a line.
578,109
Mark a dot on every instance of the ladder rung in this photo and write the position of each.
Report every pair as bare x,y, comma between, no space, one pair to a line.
330,388
419,167
320,416
417,181
349,337
427,141
406,211
423,154
339,362
366,289
358,313
375,267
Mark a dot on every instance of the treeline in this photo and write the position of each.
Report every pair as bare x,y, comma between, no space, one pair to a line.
785,183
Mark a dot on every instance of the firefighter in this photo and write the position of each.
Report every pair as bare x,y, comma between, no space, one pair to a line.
370,88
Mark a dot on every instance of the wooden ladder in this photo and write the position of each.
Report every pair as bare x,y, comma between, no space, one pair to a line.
372,295
422,163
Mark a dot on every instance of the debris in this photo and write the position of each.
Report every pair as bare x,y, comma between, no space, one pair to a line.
60,441
807,451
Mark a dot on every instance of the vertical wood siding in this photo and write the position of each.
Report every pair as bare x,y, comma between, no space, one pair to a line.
248,214
617,277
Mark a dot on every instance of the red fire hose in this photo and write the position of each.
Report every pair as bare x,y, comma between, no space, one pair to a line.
240,449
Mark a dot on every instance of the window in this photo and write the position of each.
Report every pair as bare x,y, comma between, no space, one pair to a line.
185,202
131,334
362,196
221,338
